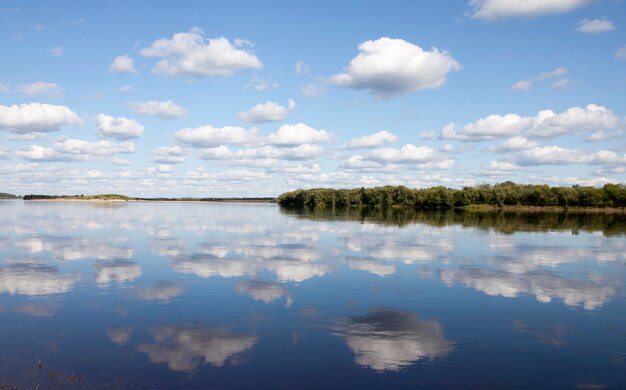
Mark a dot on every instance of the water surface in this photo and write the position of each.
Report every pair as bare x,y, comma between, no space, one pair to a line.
209,295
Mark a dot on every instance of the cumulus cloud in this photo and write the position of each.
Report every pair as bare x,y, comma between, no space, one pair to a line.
300,152
488,128
407,154
163,109
169,155
556,155
191,54
514,144
184,348
123,64
36,117
388,67
546,124
5,153
118,128
499,9
595,26
267,112
40,88
68,149
298,134
208,136
390,340
313,89
371,141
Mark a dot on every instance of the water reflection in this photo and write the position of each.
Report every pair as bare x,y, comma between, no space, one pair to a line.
183,348
33,278
389,340
119,335
266,292
117,270
286,277
162,291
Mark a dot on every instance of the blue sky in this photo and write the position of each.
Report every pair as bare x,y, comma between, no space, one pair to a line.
242,99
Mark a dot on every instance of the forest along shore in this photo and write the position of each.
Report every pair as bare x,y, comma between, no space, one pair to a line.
611,197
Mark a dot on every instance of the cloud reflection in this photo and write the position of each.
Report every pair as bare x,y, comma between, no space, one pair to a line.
117,270
161,291
184,348
266,292
31,278
389,340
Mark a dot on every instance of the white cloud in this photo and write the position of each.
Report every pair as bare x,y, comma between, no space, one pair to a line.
502,166
300,152
523,85
371,141
5,153
407,154
123,64
555,155
558,72
209,136
515,144
97,148
56,51
126,88
621,53
595,26
190,54
561,84
427,135
298,134
546,124
574,120
604,135
118,128
302,68
73,150
40,88
169,155
313,89
36,117
163,109
267,112
388,67
498,9
488,128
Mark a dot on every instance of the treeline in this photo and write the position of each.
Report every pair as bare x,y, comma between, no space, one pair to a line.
82,197
502,221
4,195
504,194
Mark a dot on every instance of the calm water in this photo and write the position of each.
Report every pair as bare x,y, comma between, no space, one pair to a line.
191,295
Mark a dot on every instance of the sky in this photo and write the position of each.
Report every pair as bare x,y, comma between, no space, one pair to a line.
239,98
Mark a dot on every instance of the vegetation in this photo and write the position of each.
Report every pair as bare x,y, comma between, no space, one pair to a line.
441,198
116,197
505,221
4,195
78,197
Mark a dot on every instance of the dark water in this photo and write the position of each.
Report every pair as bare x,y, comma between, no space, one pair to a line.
191,295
